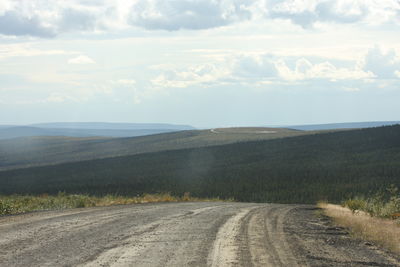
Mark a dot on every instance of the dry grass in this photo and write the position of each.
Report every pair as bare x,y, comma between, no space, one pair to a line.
16,204
384,232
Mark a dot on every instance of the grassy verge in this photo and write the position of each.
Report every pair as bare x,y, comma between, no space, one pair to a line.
381,231
16,204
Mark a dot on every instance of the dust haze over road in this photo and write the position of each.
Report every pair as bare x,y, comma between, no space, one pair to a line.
183,234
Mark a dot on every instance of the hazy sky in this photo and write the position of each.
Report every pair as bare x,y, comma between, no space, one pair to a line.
206,63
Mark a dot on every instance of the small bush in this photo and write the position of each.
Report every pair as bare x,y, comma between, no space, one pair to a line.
355,204
186,196
5,207
382,204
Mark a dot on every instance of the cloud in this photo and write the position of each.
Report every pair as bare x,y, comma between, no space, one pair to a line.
255,66
341,11
305,70
121,90
244,69
203,74
126,82
82,59
257,69
187,14
351,89
382,65
12,23
27,50
77,20
59,98
306,13
46,18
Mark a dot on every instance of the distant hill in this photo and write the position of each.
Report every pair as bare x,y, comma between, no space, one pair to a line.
6,126
87,129
113,126
347,125
33,151
301,169
24,131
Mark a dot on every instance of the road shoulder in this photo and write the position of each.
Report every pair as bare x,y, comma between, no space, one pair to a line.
314,239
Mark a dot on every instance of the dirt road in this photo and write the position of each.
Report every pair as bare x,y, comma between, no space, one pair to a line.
183,234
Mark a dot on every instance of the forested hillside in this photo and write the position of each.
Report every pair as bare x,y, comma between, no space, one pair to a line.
300,169
39,151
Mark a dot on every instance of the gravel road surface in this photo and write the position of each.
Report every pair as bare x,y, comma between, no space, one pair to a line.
183,234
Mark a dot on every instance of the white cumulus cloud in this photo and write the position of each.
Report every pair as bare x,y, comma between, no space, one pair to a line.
48,19
258,69
384,65
308,12
82,59
305,70
255,66
203,74
127,82
27,50
188,14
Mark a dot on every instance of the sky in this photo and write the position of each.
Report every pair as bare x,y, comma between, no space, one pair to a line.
206,63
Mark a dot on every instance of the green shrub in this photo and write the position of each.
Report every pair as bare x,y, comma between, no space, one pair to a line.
355,204
5,207
381,204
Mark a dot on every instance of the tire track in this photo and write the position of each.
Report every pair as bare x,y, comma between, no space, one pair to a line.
225,247
183,234
159,243
264,238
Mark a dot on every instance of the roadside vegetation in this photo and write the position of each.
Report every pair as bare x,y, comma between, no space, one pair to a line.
384,203
16,204
375,218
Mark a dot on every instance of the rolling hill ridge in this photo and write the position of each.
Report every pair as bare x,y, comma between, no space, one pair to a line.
35,151
89,129
346,125
300,169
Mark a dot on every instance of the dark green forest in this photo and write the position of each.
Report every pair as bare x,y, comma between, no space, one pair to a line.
48,150
303,169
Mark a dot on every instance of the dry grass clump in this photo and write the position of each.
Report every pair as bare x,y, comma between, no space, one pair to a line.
16,204
385,232
110,200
